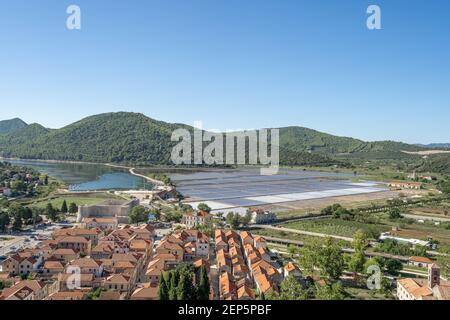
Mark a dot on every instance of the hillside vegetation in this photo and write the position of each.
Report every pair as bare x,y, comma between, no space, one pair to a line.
7,126
437,163
126,137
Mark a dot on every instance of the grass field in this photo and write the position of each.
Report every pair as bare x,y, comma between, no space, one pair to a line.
366,294
57,200
337,227
293,236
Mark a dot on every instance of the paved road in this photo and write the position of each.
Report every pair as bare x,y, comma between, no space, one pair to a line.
307,233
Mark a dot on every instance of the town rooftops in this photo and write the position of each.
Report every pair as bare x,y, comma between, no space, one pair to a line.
417,288
106,220
118,278
147,292
29,287
49,264
75,232
64,252
67,295
245,292
85,263
71,239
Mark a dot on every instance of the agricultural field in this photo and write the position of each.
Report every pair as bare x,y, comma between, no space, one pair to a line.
58,200
292,236
338,227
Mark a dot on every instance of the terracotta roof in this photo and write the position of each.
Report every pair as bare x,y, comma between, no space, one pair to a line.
64,277
139,244
290,267
33,285
62,295
62,251
71,239
245,292
118,278
75,232
415,288
109,295
53,265
100,220
264,282
145,293
85,263
420,259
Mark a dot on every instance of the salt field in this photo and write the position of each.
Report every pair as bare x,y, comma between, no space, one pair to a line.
245,188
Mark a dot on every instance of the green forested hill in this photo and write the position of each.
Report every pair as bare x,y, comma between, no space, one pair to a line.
132,137
304,139
111,137
439,163
7,126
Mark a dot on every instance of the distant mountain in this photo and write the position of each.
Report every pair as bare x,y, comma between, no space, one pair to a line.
436,145
135,138
7,126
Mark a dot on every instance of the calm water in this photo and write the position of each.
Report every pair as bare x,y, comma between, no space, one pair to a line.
87,177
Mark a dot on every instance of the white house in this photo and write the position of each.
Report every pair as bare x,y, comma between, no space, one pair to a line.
261,217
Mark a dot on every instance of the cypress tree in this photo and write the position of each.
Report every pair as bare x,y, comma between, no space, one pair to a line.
185,287
163,292
174,285
64,207
203,288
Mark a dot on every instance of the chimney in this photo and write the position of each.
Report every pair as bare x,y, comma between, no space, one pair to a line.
434,276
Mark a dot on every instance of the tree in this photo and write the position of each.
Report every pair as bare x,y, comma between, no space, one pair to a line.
443,261
138,214
73,208
36,215
16,210
229,217
17,224
393,266
4,221
358,259
174,279
163,291
357,263
95,294
245,220
204,207
185,289
203,287
333,291
51,212
330,260
234,219
291,289
394,213
64,207
308,258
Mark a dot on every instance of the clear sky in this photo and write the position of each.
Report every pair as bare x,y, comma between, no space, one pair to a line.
233,64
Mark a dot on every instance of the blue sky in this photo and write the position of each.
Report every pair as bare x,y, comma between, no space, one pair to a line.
233,64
